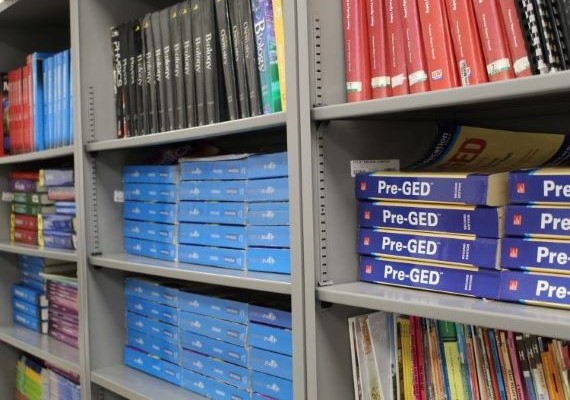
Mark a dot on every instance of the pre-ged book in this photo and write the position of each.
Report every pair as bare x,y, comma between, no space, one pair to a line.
537,221
535,288
542,186
549,255
461,188
448,249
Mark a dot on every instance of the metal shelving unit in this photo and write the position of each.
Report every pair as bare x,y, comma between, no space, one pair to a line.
62,255
37,156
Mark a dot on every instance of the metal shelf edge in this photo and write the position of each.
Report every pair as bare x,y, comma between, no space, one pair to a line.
37,155
62,255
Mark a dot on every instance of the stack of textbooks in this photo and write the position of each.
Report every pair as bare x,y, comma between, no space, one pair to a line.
433,231
537,250
36,381
37,104
406,357
198,62
396,47
205,340
63,308
43,208
234,212
228,211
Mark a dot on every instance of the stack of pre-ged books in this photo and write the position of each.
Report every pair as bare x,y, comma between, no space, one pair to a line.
30,297
227,211
208,340
37,100
43,208
199,62
396,47
36,380
407,357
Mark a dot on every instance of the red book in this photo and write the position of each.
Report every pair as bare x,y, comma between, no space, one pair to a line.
493,39
25,175
378,48
24,236
5,113
396,48
416,326
357,59
466,43
28,222
442,71
515,38
14,78
27,138
415,57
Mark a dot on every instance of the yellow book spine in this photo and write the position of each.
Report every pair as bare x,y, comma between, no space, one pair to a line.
407,358
279,25
453,371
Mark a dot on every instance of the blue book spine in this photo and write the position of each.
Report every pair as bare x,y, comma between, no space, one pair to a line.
56,177
213,190
537,221
65,88
268,236
211,388
152,212
225,372
272,165
496,361
258,8
232,169
164,233
62,210
29,295
38,99
219,349
171,373
465,370
56,240
270,316
213,256
58,85
478,221
157,329
160,174
23,307
212,306
272,386
269,260
33,284
270,338
56,222
232,236
30,261
456,188
30,322
272,363
536,254
541,186
273,189
459,249
228,331
212,212
143,362
153,291
70,103
150,309
45,68
483,283
152,249
268,213
163,193
32,273
535,288
151,345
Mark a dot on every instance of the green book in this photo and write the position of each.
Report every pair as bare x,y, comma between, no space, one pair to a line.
32,198
32,209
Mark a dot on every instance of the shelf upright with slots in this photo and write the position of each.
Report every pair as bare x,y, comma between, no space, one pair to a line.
401,128
101,159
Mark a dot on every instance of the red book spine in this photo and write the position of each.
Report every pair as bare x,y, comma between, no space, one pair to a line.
19,112
379,66
357,59
28,222
25,175
12,78
493,39
25,236
415,57
27,108
438,47
396,48
515,38
420,359
466,43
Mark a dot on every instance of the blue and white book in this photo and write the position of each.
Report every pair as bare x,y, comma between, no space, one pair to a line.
540,186
547,255
231,236
154,192
30,322
228,331
152,345
271,363
235,375
272,386
213,212
150,174
65,96
535,288
152,212
268,236
35,61
265,259
154,231
31,296
537,221
211,388
219,349
152,249
24,307
213,256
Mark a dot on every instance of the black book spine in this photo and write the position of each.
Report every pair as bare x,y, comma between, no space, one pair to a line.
237,46
126,104
547,36
117,77
250,57
159,70
563,7
210,62
529,24
170,89
177,69
153,125
227,58
197,37
131,51
556,18
141,88
185,17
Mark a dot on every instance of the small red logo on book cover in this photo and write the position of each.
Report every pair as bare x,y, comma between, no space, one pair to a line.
521,188
513,285
366,241
366,214
517,219
368,269
363,186
514,252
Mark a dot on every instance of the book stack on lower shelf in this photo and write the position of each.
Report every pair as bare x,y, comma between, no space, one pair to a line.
451,244
538,225
63,308
36,381
29,301
205,340
396,356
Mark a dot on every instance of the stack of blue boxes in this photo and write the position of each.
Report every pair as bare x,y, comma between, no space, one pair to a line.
201,338
234,212
151,211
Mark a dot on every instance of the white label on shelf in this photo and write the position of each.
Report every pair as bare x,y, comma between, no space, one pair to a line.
119,196
7,196
360,166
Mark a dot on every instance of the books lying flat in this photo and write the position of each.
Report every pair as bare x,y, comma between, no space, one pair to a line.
537,221
549,255
461,188
32,209
462,280
474,220
543,186
30,322
535,288
454,249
